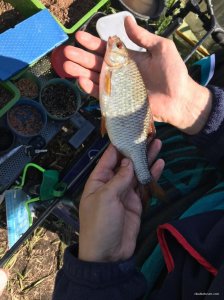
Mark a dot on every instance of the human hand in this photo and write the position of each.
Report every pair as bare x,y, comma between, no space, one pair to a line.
110,207
174,97
3,280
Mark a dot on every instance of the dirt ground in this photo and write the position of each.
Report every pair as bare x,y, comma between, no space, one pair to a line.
34,267
9,16
68,12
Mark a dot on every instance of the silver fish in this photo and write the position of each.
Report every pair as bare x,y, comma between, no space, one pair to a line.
125,108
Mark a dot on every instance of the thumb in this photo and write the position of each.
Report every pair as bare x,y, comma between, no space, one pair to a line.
123,178
139,35
3,280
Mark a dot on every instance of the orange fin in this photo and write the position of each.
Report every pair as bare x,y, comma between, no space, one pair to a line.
152,189
107,82
151,129
145,194
157,191
103,128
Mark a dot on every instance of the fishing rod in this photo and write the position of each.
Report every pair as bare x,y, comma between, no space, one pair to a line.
207,17
75,178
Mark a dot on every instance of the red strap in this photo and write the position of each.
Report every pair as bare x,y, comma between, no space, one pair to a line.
185,244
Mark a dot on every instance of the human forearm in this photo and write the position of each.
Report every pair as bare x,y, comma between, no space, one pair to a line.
211,137
196,109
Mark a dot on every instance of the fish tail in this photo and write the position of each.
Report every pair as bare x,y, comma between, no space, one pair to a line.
152,189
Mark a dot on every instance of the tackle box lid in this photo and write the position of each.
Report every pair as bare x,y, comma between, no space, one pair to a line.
28,41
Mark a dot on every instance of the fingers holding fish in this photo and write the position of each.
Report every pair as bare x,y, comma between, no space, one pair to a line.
104,170
89,86
153,150
76,71
157,169
85,65
139,35
91,42
83,58
156,165
107,164
123,180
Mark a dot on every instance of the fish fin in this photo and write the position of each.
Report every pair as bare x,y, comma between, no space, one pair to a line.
103,128
152,189
107,83
157,191
151,130
145,194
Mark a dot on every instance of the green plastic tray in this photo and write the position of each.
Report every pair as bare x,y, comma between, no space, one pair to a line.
29,7
15,96
76,26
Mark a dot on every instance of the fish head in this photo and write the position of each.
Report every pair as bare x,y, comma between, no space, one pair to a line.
116,53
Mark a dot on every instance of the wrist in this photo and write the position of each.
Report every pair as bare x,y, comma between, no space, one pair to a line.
91,253
88,256
197,108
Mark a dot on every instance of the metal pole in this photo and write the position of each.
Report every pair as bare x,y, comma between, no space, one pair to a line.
29,231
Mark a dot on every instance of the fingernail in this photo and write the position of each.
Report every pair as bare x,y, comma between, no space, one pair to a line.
134,20
125,162
131,18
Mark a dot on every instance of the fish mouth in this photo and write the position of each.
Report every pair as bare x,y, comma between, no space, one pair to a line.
115,43
116,55
113,39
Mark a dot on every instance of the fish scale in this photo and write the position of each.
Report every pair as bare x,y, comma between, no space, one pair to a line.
127,114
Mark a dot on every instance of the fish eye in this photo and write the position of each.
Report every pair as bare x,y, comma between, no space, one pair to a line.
119,45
